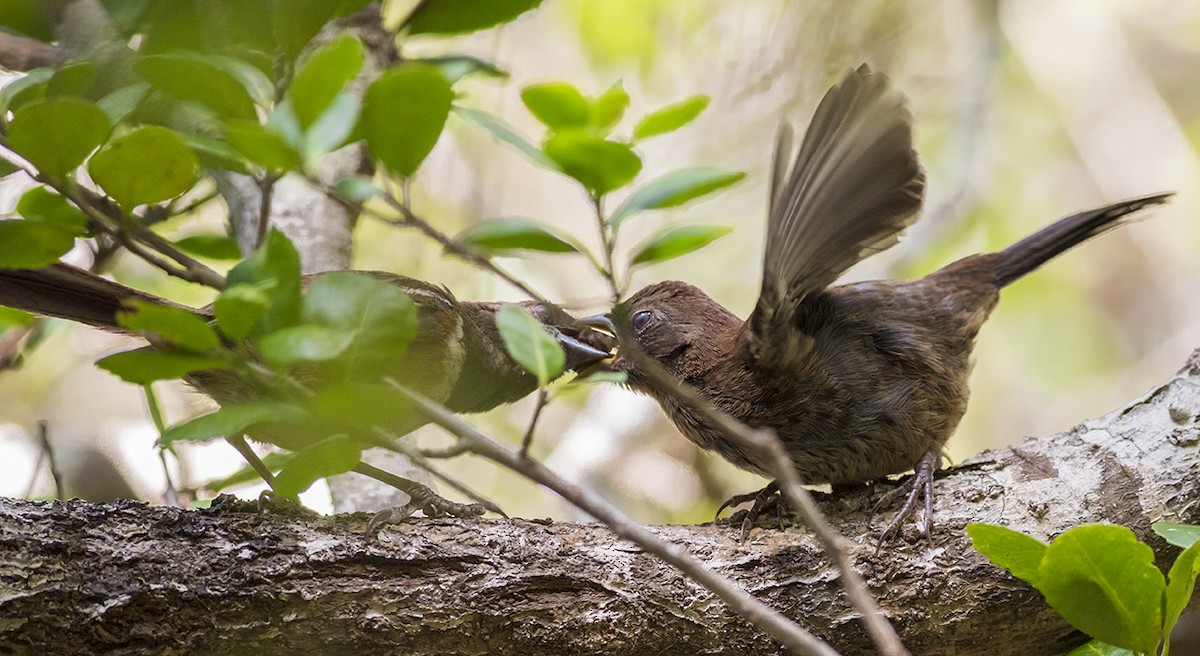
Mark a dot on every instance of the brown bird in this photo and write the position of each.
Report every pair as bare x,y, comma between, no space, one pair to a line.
858,381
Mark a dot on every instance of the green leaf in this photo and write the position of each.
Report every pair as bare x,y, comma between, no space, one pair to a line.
456,67
262,146
1098,648
57,135
31,245
217,153
213,247
330,456
513,234
558,105
366,405
239,308
674,189
179,327
44,205
148,364
674,242
606,110
232,421
1016,552
358,188
148,165
323,76
1180,535
334,127
247,474
598,164
457,16
529,344
1103,581
10,318
505,134
297,344
277,264
404,113
669,118
227,86
376,317
1182,583
25,89
28,18
71,79
119,104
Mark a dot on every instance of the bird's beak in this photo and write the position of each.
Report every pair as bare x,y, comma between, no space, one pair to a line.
579,355
601,322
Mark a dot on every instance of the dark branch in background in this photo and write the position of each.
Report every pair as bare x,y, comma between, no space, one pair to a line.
20,53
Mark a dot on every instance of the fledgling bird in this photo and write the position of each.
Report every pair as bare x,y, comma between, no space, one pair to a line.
858,381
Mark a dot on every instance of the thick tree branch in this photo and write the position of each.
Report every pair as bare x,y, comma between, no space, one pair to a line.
83,578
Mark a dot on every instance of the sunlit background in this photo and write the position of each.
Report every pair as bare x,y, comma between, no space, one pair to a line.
1024,110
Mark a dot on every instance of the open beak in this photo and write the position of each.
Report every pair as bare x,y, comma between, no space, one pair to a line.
579,354
601,322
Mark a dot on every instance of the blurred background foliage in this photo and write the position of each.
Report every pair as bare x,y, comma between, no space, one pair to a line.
1024,111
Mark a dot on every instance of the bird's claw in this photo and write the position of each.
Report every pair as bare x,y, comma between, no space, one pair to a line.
427,501
917,486
763,499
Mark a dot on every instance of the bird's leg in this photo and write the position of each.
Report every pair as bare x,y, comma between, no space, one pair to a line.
420,498
762,500
919,485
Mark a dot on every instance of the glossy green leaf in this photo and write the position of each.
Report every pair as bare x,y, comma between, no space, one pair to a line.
1180,535
57,135
529,344
508,234
376,317
217,153
606,110
1098,648
232,421
675,242
148,165
323,75
213,247
304,343
27,88
674,189
247,474
262,146
358,188
367,405
175,325
1181,584
148,364
1103,581
330,456
334,127
670,118
71,79
557,105
505,134
225,85
1016,552
456,67
403,115
32,244
276,264
239,308
119,104
457,16
598,164
44,205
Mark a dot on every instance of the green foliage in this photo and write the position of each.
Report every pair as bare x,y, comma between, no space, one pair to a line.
173,325
674,189
598,164
670,118
377,319
323,76
57,135
403,115
234,419
30,244
43,205
529,344
514,234
262,145
556,104
458,16
148,364
148,165
1101,579
214,247
676,242
274,267
330,456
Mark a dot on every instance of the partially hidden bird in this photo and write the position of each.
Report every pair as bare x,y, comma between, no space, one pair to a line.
857,381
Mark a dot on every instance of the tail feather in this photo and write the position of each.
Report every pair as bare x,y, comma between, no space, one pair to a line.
1038,248
67,292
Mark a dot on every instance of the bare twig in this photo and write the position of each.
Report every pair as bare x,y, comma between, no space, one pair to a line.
608,240
44,437
542,399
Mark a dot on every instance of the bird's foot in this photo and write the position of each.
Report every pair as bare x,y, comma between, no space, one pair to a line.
919,486
427,501
763,499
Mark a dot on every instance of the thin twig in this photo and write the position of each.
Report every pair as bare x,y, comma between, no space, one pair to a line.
542,398
608,240
60,491
790,634
169,494
243,447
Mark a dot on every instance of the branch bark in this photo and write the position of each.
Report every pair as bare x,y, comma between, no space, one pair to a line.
130,578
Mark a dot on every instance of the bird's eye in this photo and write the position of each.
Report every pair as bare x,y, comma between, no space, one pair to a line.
640,319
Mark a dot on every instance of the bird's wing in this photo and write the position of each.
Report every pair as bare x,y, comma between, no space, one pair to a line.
853,187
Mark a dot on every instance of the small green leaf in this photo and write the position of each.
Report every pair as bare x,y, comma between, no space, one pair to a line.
217,153
404,113
25,89
72,79
529,344
323,75
1016,552
330,456
239,308
31,244
334,127
179,327
456,67
598,164
358,188
1103,581
457,16
1182,583
10,318
247,474
262,146
674,242
513,234
297,344
366,405
148,364
1098,648
674,189
277,264
606,110
122,102
557,105
1180,535
148,165
505,134
232,421
57,135
44,205
376,317
206,79
669,118
213,247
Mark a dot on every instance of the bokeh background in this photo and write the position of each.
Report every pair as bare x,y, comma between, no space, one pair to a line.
1024,110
